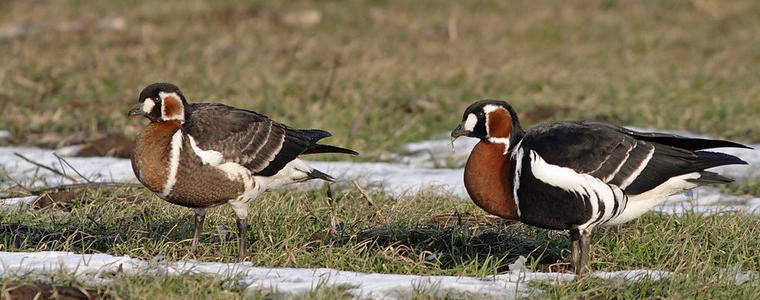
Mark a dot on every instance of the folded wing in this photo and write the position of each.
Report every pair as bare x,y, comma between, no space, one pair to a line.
634,161
249,138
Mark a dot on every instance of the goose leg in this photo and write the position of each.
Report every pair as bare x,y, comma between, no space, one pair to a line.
585,242
579,246
575,249
242,225
240,207
200,217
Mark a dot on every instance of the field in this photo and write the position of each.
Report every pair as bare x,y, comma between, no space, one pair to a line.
378,75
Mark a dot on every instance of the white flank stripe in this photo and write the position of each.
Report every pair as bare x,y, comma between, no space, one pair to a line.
638,170
173,162
639,204
627,155
571,181
209,157
517,157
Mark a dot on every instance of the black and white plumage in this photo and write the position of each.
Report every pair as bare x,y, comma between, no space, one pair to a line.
597,167
204,154
579,175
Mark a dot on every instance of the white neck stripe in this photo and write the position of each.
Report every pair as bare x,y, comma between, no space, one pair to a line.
171,178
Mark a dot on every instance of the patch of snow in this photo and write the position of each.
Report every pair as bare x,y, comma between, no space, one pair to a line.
519,265
98,268
396,179
738,276
4,134
17,204
709,200
435,153
100,169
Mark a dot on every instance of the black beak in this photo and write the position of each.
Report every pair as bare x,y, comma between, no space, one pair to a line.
136,111
459,131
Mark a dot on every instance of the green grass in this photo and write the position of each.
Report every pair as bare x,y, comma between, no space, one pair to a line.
690,65
750,186
403,71
425,234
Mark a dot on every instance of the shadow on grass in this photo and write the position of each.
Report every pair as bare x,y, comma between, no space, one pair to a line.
457,245
92,237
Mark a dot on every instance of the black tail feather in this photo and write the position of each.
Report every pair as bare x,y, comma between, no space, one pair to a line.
692,144
317,174
683,142
707,159
319,148
706,177
315,134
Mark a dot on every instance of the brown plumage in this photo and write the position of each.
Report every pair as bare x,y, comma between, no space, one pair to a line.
150,159
202,155
486,177
214,188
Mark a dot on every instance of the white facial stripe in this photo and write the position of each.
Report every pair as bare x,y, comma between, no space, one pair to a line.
469,124
490,107
148,105
163,95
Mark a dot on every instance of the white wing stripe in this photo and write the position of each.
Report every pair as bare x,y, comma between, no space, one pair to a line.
638,170
586,186
625,159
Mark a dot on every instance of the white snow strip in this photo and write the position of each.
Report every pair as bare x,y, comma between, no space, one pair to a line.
17,204
709,200
97,268
96,168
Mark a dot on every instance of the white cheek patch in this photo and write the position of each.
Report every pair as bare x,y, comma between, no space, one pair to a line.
148,105
469,124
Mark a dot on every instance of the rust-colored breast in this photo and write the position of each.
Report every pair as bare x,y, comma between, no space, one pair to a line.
150,160
486,178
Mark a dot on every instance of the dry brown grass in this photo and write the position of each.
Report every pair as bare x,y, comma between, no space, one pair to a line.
402,70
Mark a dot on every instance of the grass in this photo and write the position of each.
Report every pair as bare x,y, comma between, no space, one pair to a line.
427,234
380,74
396,64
